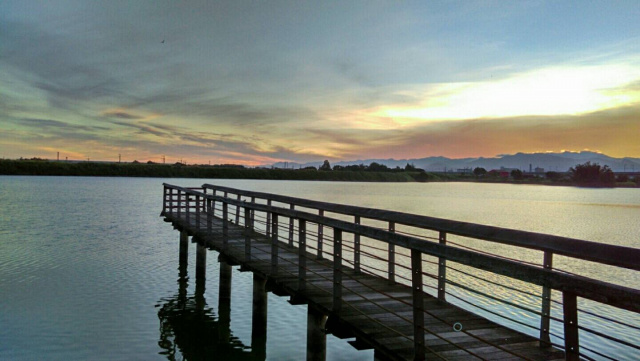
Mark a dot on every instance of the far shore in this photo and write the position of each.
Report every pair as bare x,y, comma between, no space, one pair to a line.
106,169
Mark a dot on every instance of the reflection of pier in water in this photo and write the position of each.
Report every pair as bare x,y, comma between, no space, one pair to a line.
377,295
188,327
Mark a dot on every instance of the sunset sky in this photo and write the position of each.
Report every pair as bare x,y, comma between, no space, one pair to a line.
257,82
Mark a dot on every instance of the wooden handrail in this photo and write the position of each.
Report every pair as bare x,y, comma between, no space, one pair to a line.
614,255
615,295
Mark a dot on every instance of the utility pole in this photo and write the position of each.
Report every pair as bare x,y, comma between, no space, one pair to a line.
58,156
119,158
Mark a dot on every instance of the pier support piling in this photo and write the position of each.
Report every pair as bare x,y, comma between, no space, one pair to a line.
224,301
201,262
184,248
259,317
316,336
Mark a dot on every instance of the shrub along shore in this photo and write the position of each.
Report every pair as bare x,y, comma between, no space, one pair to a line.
40,167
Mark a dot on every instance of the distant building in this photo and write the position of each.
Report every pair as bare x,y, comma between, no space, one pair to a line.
539,170
464,170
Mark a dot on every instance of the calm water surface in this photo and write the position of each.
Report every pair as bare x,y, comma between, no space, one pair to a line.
88,270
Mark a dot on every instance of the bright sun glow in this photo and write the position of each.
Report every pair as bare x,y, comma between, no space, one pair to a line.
554,91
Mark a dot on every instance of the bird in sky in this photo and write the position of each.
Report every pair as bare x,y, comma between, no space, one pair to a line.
162,41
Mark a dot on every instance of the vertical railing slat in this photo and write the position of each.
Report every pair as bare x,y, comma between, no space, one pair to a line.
247,234
571,340
302,257
198,207
238,211
164,200
213,203
392,255
291,206
172,201
188,207
210,211
269,219
225,224
442,270
545,318
179,203
274,244
253,213
356,247
337,270
418,305
320,235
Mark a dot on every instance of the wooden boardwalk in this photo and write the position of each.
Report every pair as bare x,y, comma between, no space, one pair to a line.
376,312
375,293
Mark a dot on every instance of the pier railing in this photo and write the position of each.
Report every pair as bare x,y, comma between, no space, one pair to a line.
398,245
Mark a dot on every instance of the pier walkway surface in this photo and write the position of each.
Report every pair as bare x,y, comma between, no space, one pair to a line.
363,273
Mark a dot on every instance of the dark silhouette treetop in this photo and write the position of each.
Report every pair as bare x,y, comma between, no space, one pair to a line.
478,171
517,174
592,175
325,166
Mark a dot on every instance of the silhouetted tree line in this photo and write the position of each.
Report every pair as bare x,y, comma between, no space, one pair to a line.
373,167
587,174
180,170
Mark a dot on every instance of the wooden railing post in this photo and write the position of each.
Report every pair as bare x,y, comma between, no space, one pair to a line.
268,219
291,207
337,270
418,305
225,224
238,212
179,203
187,207
356,247
247,234
253,213
171,201
198,208
571,340
210,211
442,270
213,203
274,244
320,235
164,200
545,317
392,255
302,256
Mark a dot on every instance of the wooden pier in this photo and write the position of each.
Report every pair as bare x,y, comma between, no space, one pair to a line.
364,272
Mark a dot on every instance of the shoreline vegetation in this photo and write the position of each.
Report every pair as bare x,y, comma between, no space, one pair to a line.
585,175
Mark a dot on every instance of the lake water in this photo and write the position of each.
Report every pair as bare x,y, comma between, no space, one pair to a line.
88,270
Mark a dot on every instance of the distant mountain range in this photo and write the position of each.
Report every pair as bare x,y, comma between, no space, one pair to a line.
559,162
